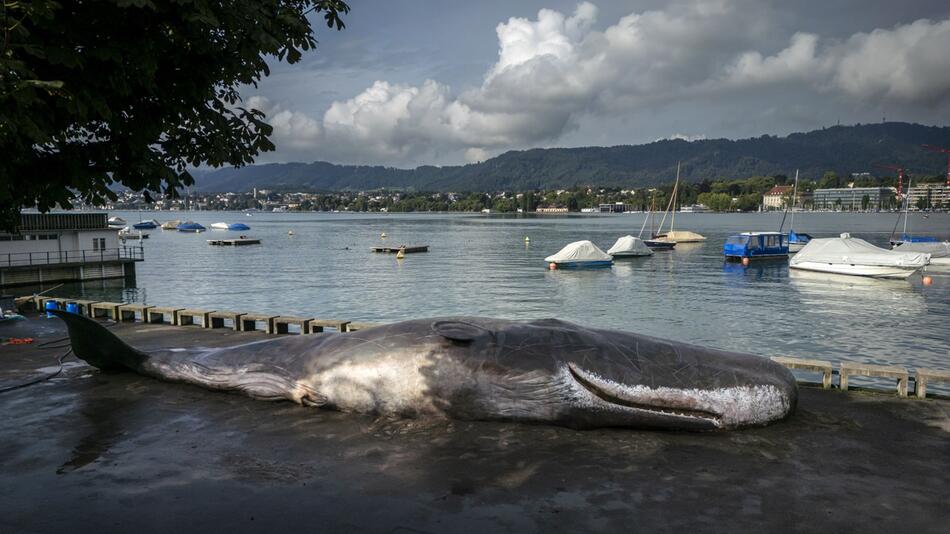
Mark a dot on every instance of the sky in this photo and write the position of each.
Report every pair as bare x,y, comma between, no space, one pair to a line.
429,82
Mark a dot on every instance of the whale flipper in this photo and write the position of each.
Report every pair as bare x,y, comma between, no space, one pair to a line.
98,346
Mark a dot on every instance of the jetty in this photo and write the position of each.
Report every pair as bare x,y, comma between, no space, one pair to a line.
845,461
406,249
234,242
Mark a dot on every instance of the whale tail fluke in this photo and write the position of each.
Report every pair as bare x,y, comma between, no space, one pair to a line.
98,346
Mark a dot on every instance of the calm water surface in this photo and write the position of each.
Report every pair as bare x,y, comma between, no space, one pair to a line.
480,265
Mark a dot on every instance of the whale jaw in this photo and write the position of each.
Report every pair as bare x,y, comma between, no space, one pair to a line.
701,409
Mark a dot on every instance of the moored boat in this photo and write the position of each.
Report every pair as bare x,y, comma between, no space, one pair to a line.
797,241
939,251
230,226
150,224
171,225
755,246
117,223
856,257
580,254
628,247
191,226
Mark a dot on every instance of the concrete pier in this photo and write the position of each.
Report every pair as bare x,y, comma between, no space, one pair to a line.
119,452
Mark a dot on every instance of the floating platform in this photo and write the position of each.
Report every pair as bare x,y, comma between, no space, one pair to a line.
233,242
405,249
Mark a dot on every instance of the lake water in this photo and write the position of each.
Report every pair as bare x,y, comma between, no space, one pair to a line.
480,265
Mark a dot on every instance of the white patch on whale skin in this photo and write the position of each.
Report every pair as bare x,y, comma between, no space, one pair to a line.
396,384
735,406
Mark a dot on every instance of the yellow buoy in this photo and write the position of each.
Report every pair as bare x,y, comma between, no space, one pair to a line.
401,254
527,239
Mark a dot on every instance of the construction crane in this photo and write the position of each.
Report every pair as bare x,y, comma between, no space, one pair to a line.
900,176
942,151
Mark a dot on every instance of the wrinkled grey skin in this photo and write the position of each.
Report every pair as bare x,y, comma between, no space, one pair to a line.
546,371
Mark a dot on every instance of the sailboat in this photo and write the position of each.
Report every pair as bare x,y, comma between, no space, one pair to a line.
655,244
681,236
796,241
905,238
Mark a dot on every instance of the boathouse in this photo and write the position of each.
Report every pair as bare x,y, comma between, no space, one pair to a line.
64,247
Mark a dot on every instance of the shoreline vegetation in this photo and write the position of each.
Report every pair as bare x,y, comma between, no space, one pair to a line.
722,195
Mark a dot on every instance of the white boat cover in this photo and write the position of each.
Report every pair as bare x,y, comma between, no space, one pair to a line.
630,246
220,226
579,251
854,251
936,250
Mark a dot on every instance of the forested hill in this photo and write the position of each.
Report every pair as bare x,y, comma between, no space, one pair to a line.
843,149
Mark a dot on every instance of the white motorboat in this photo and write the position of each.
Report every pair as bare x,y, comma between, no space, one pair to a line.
939,251
856,257
117,223
629,246
580,254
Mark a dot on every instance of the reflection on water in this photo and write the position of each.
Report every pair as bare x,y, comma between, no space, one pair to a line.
480,265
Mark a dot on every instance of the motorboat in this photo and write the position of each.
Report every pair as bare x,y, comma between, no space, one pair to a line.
191,226
238,227
939,250
150,224
117,223
127,233
171,225
580,254
628,247
856,257
755,246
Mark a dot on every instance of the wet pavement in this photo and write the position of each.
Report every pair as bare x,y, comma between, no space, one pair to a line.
88,451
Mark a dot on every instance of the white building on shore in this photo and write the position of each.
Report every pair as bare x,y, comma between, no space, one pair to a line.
64,247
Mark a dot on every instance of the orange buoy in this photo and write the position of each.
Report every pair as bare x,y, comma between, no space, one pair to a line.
745,262
552,266
927,280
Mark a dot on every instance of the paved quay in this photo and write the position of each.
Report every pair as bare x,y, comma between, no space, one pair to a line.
89,451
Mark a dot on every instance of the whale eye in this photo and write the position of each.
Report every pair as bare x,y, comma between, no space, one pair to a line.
458,330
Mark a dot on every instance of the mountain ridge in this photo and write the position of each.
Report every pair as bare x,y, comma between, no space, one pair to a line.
842,149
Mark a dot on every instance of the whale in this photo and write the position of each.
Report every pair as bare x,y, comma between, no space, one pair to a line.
545,371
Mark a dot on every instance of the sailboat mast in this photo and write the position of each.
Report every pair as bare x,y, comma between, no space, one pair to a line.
791,224
906,201
675,189
649,216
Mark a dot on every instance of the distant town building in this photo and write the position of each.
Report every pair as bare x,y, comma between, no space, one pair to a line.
774,199
616,207
64,247
550,209
852,198
928,196
695,208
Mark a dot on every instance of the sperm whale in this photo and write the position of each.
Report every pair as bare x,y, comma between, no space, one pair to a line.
473,368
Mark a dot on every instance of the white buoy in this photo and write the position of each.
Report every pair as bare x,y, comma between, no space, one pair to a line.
383,235
290,232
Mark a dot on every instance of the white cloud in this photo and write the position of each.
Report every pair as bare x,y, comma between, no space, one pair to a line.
555,69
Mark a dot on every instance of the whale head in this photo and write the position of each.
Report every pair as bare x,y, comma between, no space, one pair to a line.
552,370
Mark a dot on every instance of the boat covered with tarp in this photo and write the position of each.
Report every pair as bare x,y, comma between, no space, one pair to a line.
680,236
939,250
150,224
191,226
171,225
856,257
230,226
580,254
628,246
117,223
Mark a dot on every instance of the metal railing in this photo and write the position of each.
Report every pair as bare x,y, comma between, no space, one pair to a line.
53,257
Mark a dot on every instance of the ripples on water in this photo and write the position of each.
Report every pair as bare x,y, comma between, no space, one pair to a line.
480,265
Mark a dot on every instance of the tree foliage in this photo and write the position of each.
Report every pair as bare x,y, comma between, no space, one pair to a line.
134,92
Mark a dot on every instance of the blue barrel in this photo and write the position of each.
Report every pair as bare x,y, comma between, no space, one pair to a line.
72,307
51,305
